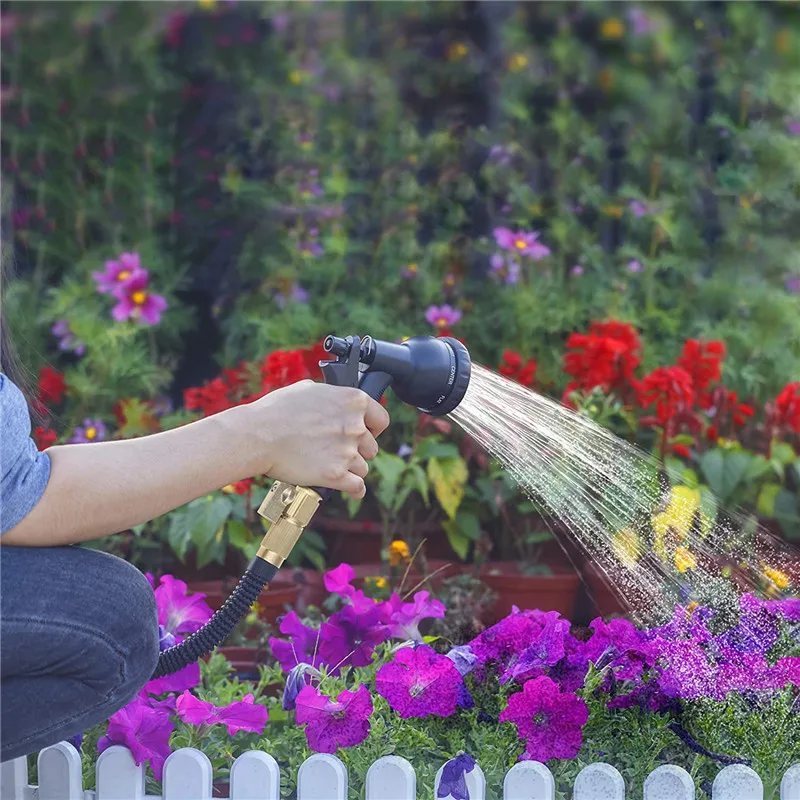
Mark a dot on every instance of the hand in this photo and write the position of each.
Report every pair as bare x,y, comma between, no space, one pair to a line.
312,434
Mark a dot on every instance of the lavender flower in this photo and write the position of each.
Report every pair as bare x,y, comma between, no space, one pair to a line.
92,430
638,208
793,126
453,782
635,266
410,272
297,294
67,341
504,268
577,271
793,284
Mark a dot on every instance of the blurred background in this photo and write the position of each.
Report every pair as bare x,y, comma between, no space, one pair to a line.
511,173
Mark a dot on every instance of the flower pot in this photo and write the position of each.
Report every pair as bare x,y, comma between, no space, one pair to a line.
603,601
244,660
310,586
556,592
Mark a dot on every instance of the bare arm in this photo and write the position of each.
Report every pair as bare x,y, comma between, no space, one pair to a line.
308,434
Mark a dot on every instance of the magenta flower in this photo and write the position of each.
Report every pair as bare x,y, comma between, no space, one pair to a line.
641,23
144,728
135,301
686,671
793,126
309,189
339,580
419,682
118,274
741,672
549,720
505,269
331,724
241,715
454,782
577,271
186,678
178,612
785,671
635,266
638,208
793,284
66,338
615,641
442,317
404,622
521,243
684,624
92,430
349,637
545,651
303,647
503,641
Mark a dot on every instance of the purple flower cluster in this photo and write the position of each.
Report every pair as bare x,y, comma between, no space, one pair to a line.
67,341
128,283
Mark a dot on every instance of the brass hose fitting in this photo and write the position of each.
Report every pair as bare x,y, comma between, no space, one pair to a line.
289,509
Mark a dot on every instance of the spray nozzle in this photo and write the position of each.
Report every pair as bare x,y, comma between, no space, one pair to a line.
427,372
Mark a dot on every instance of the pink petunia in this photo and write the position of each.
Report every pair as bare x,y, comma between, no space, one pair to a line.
419,682
186,678
119,274
549,720
136,301
404,620
339,580
178,612
331,724
144,727
241,715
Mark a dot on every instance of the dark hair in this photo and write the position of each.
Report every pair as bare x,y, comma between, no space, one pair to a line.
10,365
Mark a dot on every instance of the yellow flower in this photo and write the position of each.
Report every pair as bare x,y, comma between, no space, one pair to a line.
690,609
208,5
91,432
676,519
780,579
614,211
228,489
517,62
457,51
398,553
378,581
297,76
612,28
627,547
699,24
746,201
684,559
537,210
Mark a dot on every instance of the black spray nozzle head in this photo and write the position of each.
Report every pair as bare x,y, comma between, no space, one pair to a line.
429,373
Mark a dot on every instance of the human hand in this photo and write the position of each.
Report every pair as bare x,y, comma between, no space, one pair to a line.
313,434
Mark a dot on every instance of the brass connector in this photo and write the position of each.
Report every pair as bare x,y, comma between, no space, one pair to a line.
289,508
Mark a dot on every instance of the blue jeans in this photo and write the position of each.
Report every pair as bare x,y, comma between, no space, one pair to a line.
78,640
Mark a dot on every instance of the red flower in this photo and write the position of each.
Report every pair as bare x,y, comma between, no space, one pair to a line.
702,361
243,487
52,386
44,437
513,368
311,358
606,357
787,407
211,398
712,434
283,368
670,388
681,450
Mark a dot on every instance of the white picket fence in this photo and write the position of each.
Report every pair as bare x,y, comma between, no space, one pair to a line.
255,776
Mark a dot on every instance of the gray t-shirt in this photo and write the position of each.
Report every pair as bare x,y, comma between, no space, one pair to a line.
24,471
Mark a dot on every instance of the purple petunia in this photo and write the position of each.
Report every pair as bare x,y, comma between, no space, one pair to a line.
135,301
144,727
118,274
453,782
793,284
442,317
310,247
303,646
577,271
295,681
241,715
685,669
404,620
522,243
549,720
186,678
92,430
66,338
545,651
621,643
177,611
464,659
419,682
350,637
331,724
503,641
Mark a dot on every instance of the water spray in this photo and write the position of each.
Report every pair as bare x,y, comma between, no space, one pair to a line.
431,374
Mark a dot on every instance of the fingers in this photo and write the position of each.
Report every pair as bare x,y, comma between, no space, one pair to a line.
358,466
367,446
376,417
353,485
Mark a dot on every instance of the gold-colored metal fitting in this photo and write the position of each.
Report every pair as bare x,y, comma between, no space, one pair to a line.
289,508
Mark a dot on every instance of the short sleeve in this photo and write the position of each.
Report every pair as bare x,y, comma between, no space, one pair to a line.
24,471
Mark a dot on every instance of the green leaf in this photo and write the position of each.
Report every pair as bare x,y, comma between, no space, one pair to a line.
783,452
413,478
434,447
430,639
458,540
239,535
765,504
353,505
207,532
708,510
725,471
712,463
759,466
448,478
387,469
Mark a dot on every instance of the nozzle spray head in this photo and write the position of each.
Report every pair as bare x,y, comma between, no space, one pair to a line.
429,373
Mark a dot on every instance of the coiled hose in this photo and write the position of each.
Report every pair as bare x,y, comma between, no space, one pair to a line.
258,574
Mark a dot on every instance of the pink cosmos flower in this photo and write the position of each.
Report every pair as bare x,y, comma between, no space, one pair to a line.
135,301
241,715
404,621
549,720
178,612
442,317
419,682
118,274
331,724
521,243
303,647
144,727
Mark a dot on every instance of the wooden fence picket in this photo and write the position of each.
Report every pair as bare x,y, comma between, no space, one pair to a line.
60,775
669,783
118,777
737,782
255,776
188,775
391,778
529,780
599,782
322,777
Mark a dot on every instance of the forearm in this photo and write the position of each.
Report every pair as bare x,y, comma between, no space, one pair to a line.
103,488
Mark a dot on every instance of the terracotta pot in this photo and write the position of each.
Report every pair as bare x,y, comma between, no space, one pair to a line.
244,660
359,541
556,592
310,586
603,601
282,592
